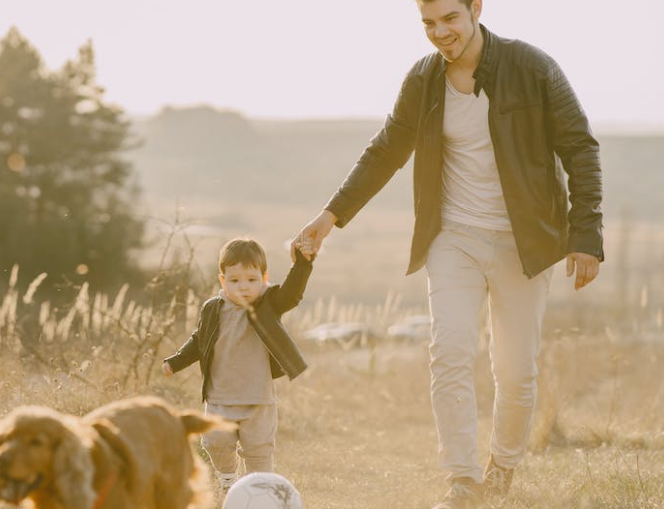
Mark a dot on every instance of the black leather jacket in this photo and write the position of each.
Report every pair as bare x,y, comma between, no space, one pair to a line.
285,358
538,129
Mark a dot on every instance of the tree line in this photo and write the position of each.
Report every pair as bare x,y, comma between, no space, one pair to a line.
67,196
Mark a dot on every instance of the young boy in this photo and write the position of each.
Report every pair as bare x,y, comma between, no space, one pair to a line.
241,346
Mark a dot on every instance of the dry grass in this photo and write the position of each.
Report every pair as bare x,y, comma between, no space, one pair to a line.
351,437
356,430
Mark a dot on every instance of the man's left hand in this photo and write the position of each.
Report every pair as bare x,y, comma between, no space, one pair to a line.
587,268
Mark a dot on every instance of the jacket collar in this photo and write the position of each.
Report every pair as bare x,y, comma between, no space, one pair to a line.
486,68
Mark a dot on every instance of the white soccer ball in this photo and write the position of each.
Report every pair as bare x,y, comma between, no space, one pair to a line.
263,490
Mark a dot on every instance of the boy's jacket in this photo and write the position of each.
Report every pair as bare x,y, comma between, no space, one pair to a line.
265,318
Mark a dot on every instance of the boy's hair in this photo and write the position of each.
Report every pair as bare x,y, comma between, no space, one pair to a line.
245,251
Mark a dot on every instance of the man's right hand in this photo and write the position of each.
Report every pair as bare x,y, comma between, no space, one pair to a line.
313,234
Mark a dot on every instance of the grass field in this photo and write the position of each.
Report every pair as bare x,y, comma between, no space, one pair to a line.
356,429
359,437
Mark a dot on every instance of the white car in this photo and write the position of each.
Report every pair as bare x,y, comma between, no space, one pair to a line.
411,328
344,334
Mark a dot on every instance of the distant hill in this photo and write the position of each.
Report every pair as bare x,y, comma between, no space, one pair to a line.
224,156
221,154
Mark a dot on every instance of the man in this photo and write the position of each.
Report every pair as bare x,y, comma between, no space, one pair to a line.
493,123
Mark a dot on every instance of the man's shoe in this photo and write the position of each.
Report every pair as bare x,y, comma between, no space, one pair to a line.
497,480
463,494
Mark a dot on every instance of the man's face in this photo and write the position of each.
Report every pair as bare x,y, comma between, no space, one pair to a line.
242,284
450,25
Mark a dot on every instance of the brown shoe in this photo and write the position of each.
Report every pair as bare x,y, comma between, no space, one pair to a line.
497,480
463,494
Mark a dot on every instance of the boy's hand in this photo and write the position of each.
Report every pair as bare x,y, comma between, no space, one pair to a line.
306,247
166,369
313,234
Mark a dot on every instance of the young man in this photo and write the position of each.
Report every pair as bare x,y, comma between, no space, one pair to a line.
493,124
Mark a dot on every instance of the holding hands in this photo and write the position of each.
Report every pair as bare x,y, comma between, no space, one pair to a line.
306,246
310,238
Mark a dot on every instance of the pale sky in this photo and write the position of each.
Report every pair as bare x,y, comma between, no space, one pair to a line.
337,58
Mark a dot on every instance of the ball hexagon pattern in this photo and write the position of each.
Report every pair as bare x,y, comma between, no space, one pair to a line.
263,490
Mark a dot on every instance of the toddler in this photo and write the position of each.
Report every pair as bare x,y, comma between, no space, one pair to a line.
241,347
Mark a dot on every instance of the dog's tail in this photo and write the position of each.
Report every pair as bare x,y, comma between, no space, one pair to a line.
195,422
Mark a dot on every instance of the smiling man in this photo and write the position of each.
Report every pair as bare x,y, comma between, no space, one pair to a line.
494,125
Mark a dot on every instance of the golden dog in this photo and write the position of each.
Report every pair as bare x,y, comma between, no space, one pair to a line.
130,454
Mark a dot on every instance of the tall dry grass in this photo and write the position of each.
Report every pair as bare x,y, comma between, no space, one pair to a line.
356,429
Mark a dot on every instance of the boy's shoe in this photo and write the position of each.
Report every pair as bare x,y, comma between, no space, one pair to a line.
497,480
463,494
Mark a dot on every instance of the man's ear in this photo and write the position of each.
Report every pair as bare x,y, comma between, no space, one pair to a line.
265,277
476,8
222,280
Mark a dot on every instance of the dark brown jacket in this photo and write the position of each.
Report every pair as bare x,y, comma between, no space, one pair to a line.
285,358
538,129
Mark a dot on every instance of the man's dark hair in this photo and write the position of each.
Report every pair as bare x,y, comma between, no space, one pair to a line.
464,2
245,251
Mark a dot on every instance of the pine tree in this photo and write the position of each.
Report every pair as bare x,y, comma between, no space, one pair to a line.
66,195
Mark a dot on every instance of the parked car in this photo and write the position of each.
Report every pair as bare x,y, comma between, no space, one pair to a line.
346,335
411,328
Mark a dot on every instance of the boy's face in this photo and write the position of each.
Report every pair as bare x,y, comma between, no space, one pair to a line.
242,284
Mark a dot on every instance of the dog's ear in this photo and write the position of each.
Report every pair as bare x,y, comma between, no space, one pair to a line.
110,434
73,469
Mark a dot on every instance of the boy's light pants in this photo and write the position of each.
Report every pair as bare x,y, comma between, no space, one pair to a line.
465,265
256,433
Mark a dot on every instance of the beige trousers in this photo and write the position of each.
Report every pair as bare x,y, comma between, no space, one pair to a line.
466,266
253,440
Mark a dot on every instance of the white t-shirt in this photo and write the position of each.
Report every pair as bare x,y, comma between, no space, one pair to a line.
472,193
